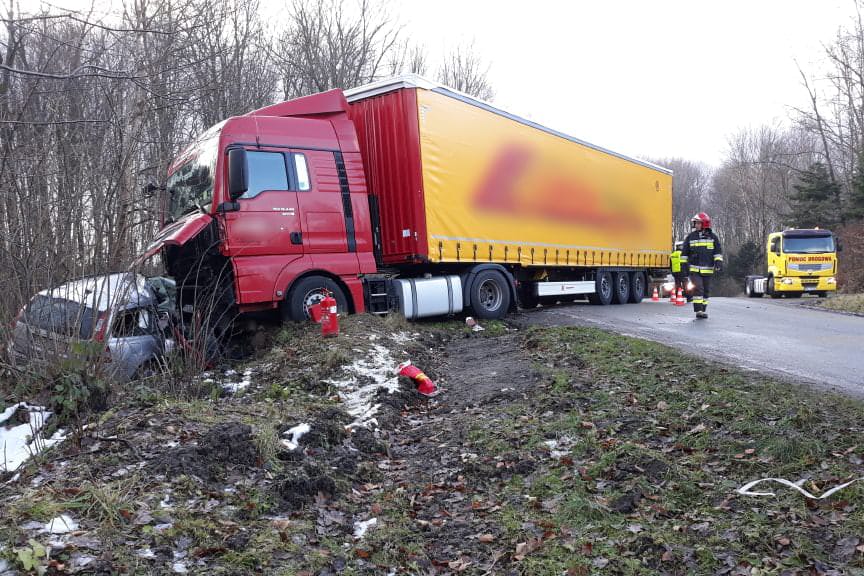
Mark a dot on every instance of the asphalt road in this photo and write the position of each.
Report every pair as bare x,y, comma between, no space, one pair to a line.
779,337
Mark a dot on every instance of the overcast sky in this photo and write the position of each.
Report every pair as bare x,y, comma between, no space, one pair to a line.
649,78
654,78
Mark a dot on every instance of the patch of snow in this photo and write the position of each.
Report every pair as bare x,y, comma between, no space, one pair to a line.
563,443
62,524
4,565
361,526
179,568
379,369
18,443
146,554
403,338
234,387
295,434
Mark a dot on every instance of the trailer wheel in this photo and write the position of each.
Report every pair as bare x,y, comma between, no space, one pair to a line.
620,287
307,292
638,287
490,295
602,289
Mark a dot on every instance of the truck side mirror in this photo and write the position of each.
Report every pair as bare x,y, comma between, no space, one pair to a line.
238,176
149,190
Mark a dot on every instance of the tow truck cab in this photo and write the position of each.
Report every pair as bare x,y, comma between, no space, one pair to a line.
799,261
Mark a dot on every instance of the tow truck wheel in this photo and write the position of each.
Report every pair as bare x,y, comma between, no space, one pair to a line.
490,295
308,292
771,291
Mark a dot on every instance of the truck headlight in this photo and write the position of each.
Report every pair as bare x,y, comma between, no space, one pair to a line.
787,281
831,280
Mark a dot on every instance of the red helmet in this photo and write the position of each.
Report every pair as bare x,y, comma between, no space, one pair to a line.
703,218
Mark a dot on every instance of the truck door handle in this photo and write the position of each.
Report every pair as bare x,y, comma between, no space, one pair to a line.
296,238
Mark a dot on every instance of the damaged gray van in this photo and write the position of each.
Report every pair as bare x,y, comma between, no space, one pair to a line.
127,312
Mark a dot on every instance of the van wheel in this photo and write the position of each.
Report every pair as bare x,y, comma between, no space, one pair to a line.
620,287
490,295
602,295
307,292
638,287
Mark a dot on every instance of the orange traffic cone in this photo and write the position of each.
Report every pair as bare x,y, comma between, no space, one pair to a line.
673,299
680,301
655,296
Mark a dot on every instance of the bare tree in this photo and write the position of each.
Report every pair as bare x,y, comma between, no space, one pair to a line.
408,58
464,70
330,45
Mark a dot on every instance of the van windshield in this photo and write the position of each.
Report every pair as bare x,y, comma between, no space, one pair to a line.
808,244
191,185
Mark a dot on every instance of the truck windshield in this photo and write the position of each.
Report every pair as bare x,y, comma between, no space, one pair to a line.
808,244
191,185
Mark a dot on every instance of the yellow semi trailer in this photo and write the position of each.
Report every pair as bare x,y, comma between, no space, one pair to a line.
462,183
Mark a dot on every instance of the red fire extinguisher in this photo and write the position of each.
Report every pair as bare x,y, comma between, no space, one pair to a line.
329,319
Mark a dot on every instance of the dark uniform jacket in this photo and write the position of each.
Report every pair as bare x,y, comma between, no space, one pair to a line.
701,252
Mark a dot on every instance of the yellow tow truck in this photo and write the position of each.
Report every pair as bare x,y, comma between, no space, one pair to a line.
799,261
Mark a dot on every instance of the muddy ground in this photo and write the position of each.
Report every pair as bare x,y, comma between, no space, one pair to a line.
548,451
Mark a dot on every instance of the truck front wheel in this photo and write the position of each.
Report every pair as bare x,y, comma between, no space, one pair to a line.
771,291
490,295
307,292
602,289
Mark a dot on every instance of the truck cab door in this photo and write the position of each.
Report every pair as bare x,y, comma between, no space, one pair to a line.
268,221
320,190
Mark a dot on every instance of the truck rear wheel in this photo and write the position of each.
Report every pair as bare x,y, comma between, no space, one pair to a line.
638,287
307,292
490,295
602,295
620,287
748,288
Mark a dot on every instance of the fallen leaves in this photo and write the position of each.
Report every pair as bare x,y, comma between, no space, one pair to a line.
523,549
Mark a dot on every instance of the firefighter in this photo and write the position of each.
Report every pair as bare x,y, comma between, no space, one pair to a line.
701,256
675,264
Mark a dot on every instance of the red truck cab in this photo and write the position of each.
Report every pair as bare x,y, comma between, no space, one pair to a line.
267,203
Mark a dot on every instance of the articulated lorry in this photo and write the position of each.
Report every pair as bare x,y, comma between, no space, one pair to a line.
407,195
799,261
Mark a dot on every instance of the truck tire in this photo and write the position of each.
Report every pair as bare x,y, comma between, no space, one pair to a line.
620,287
307,292
602,295
771,291
638,287
748,288
490,295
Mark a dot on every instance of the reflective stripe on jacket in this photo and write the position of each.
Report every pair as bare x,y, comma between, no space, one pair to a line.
701,251
675,260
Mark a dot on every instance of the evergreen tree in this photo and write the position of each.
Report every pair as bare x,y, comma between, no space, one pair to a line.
816,200
855,208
